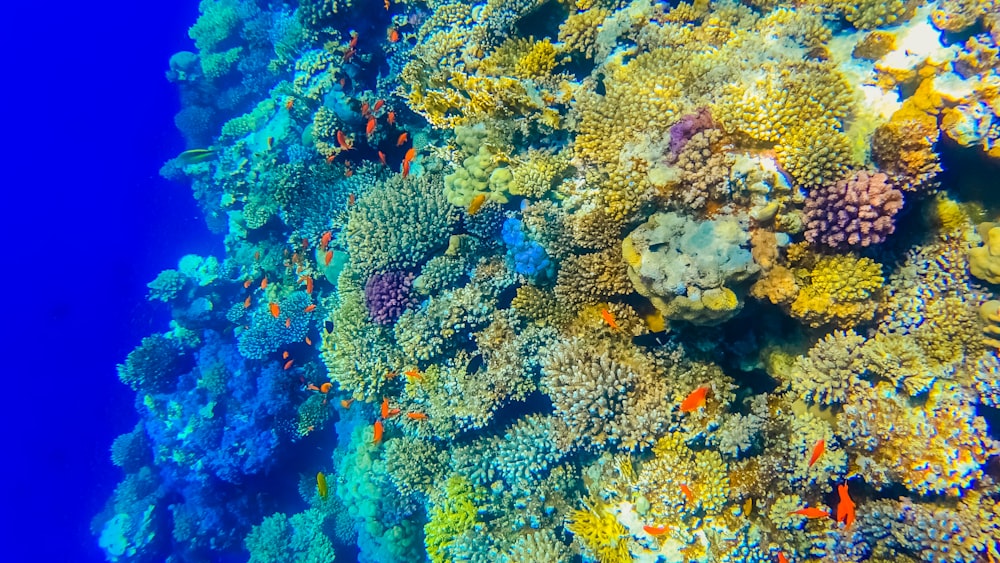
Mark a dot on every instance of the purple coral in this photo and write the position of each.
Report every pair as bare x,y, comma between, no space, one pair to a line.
688,126
856,211
388,294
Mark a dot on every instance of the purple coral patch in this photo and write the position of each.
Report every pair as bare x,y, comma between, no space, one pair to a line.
687,127
856,211
388,294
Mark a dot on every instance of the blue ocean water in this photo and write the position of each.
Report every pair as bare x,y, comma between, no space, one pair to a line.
88,221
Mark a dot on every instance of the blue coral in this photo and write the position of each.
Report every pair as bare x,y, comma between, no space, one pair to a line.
267,334
527,256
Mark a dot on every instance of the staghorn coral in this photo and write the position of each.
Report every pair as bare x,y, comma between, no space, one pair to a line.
938,446
855,211
689,269
579,32
412,464
815,152
526,452
398,223
838,290
440,273
452,513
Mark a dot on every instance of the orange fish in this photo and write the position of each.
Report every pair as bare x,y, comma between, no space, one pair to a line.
328,258
655,531
354,40
845,508
309,284
284,355
312,387
247,283
811,512
270,142
695,400
370,128
288,322
246,303
305,243
364,109
377,435
402,138
390,375
288,364
782,558
393,35
256,255
381,158
477,204
391,117
346,403
308,342
324,240
385,407
413,374
289,103
325,388
263,283
817,451
343,142
331,158
378,105
275,309
386,5
309,308
348,169
687,492
351,198
416,416
406,169
609,318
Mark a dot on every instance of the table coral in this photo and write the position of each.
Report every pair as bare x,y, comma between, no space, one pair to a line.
689,269
855,211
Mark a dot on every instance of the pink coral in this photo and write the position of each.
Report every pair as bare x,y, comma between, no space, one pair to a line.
855,211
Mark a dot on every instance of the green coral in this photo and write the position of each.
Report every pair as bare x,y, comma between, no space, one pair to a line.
452,513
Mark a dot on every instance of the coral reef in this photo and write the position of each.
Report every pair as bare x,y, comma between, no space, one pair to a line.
855,211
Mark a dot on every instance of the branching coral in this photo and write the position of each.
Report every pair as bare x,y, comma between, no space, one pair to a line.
855,211
598,530
703,473
592,278
154,365
840,290
452,513
832,371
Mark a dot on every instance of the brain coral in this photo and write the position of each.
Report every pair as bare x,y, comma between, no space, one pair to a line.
398,223
855,211
690,269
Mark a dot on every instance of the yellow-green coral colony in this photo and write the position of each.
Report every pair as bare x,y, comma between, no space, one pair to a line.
599,280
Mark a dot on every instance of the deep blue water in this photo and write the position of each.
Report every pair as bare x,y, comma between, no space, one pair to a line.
87,222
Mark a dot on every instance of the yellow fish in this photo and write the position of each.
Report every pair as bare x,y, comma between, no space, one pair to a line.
321,485
194,156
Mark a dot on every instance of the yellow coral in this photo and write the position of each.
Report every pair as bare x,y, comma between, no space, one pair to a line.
579,32
599,531
703,473
453,512
984,261
877,13
840,290
537,173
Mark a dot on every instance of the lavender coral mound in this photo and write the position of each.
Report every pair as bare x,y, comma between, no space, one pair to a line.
388,294
855,211
688,126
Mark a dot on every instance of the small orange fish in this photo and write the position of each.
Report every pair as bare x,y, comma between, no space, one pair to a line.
309,308
817,451
275,309
695,400
390,375
312,387
782,558
393,35
263,283
309,284
811,512
321,485
416,416
325,388
346,403
289,103
324,240
247,283
270,143
609,318
655,531
370,127
246,303
284,355
343,142
386,5
364,109
385,407
845,508
377,434
288,364
687,492
331,158
309,342
391,117
378,105
256,255
476,204
348,169
305,243
328,258
401,140
406,169
288,322
351,198
413,374
381,158
354,40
